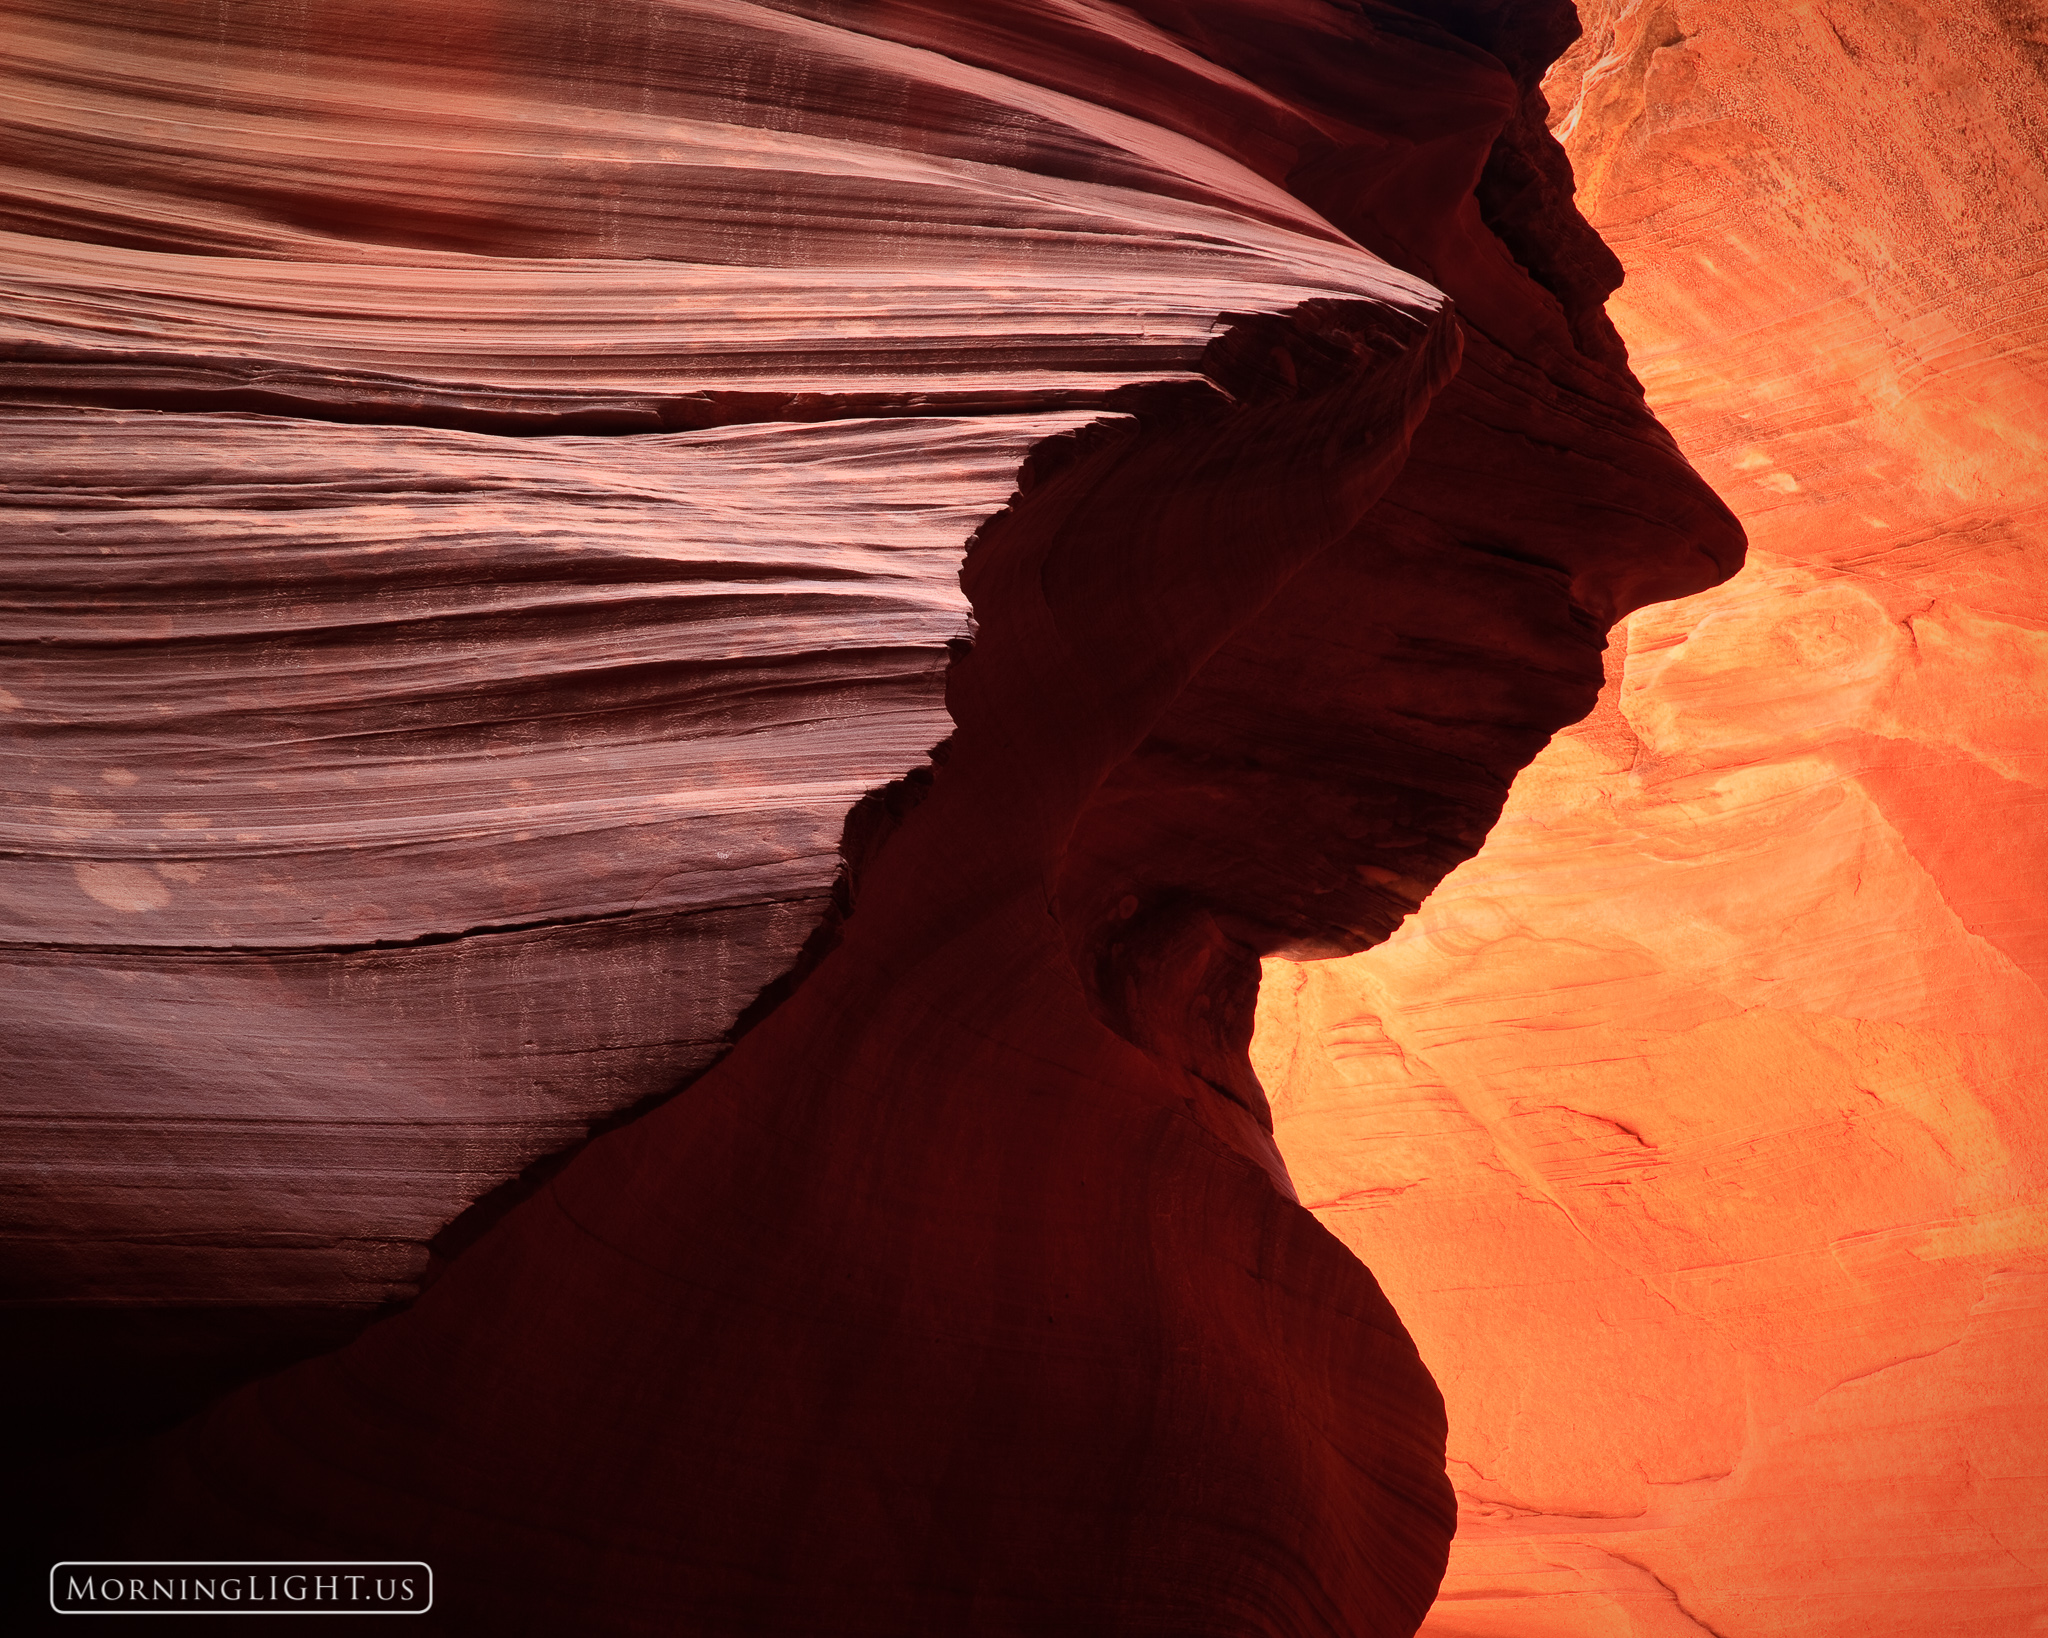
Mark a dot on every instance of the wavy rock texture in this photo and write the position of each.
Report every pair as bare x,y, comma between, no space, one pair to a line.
1695,1127
392,801
360,770
356,770
375,757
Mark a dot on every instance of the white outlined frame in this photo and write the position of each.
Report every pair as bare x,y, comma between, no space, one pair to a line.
241,1563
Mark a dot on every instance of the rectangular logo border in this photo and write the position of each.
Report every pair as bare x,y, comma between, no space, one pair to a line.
223,1563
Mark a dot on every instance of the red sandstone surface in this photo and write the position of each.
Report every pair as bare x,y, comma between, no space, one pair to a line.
493,485
968,1292
492,488
1695,1128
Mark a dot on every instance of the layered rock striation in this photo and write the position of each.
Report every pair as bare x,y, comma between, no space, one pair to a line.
501,480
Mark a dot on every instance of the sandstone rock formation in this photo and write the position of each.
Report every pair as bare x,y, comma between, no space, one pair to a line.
500,473
439,793
1695,1127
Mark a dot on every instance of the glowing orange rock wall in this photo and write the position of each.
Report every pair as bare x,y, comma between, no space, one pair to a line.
1696,1127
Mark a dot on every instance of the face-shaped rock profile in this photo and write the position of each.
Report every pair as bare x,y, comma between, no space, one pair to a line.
634,385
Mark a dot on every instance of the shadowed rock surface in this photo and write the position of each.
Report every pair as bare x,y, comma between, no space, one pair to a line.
968,1291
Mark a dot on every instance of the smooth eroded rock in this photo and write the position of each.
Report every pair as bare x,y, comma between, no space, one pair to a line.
1694,1127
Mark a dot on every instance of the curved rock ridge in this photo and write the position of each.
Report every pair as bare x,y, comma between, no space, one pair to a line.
508,219
323,780
462,730
968,1291
1694,1128
389,803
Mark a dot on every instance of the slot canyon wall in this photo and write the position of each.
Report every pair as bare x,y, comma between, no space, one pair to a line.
491,486
499,483
1696,1127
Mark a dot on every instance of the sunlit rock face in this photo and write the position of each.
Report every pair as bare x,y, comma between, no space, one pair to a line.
1695,1128
499,481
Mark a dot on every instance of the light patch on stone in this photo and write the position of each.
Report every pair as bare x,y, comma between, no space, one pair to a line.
122,886
73,817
